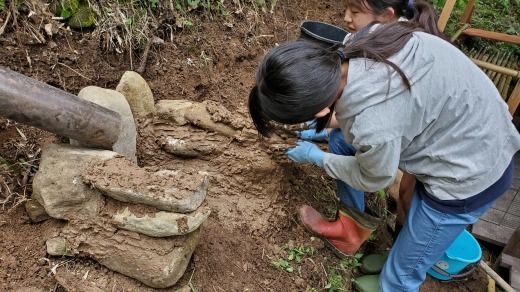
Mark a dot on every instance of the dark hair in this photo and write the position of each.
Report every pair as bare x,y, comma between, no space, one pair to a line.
293,83
418,11
298,79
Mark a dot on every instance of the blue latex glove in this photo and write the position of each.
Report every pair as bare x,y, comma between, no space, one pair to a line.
309,124
306,152
311,134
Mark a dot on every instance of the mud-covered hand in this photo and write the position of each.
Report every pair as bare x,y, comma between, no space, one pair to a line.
306,152
309,124
311,134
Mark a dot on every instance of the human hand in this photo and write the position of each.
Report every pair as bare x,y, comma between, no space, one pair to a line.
306,152
311,134
309,124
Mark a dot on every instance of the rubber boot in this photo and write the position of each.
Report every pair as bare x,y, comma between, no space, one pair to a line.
373,263
343,236
367,283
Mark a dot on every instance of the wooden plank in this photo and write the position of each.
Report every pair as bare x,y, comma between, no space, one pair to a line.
497,36
468,12
514,99
491,233
445,14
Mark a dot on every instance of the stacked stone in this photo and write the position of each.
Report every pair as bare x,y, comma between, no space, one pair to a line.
75,183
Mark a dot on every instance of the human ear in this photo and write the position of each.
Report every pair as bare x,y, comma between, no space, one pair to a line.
388,15
323,113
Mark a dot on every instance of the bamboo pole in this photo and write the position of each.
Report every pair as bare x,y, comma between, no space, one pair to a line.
496,277
28,101
503,70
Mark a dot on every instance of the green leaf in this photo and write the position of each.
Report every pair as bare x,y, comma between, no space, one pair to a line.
2,5
128,21
65,14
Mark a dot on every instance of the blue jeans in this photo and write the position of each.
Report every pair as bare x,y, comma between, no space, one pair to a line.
426,234
347,195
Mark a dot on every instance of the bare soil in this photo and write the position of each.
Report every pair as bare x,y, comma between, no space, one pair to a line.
254,216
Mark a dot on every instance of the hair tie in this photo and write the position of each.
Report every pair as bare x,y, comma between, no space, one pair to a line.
341,55
409,5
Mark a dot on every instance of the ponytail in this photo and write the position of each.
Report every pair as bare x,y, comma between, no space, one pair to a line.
423,13
418,11
261,124
382,43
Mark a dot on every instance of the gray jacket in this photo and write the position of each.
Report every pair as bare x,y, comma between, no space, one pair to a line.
453,131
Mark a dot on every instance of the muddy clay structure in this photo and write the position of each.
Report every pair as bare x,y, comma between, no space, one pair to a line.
125,207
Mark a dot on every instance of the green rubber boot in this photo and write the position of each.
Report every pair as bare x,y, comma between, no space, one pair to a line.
367,283
373,263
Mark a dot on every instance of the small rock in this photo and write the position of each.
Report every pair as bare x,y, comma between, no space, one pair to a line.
36,211
58,246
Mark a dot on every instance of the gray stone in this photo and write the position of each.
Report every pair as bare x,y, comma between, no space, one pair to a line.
36,211
58,187
188,148
161,224
167,190
199,115
58,246
137,93
113,100
157,262
172,111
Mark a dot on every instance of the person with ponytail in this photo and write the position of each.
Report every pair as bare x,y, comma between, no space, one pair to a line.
358,14
404,99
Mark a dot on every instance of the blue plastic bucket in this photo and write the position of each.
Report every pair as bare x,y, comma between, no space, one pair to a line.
463,251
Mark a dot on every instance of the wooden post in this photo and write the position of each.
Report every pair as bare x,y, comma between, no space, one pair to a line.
28,101
445,14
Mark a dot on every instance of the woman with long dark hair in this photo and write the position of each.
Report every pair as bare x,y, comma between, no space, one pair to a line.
403,98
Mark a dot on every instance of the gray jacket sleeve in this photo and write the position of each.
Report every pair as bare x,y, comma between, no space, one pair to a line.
372,168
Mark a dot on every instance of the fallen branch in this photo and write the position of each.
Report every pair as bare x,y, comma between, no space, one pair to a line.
75,71
2,28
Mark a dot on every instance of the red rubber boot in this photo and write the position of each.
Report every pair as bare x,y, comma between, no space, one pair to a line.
343,236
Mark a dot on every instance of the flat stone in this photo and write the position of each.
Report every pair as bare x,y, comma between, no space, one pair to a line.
178,191
161,224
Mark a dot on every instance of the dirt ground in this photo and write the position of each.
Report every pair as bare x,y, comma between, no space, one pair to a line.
254,216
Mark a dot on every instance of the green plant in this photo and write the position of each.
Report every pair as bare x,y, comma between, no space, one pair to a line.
335,282
351,262
281,263
492,15
297,252
293,254
2,5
